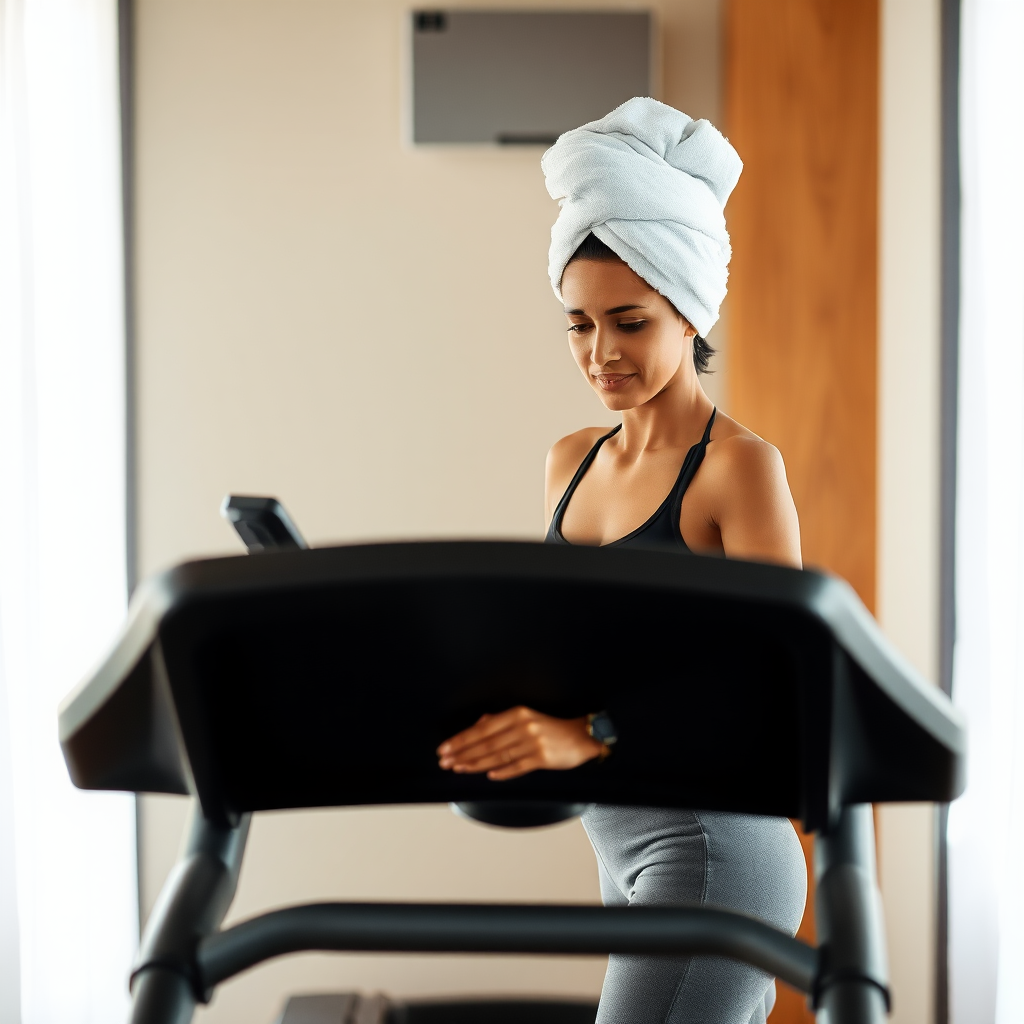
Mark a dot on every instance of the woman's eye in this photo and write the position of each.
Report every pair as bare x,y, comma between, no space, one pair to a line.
631,326
578,328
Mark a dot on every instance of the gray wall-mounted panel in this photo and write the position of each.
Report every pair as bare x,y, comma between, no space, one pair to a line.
523,76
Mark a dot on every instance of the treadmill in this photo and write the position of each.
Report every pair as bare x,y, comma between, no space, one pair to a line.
234,679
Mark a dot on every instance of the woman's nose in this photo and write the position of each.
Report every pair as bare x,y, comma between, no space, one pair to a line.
605,349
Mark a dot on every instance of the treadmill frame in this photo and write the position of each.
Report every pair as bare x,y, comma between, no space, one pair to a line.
869,729
185,954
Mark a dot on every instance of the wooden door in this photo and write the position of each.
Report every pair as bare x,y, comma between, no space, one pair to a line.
802,110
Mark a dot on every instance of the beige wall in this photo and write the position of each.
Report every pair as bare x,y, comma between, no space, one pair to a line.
367,331
908,538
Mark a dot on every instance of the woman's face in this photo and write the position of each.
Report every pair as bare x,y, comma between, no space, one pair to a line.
627,339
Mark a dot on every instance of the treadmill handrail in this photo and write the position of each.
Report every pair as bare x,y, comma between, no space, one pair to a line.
505,928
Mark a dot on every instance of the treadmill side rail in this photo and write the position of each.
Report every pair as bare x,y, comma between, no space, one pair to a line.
853,982
166,983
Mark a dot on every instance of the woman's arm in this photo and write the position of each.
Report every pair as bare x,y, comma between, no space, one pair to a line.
752,504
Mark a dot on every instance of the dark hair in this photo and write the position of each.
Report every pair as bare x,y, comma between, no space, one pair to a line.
592,248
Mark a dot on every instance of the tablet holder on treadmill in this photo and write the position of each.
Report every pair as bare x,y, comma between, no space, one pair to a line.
258,683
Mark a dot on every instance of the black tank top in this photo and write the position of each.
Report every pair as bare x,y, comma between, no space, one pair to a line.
662,529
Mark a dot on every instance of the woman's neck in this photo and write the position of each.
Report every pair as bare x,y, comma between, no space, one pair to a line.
674,418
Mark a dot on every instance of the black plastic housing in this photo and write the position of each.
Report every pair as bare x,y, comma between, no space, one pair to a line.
262,683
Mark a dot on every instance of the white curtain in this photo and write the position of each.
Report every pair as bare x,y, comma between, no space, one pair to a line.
68,907
986,826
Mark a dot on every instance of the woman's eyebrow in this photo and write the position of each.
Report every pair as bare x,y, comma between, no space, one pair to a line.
607,312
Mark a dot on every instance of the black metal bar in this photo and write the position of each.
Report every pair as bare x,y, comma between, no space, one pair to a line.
941,915
162,995
165,983
502,928
853,983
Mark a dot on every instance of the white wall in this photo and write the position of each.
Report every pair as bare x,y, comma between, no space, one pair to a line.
908,523
367,331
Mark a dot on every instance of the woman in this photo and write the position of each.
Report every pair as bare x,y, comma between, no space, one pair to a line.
639,258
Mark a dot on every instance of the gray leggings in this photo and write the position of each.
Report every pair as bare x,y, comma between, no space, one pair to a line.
664,857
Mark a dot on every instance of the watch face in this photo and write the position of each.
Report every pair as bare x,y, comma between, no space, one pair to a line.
601,728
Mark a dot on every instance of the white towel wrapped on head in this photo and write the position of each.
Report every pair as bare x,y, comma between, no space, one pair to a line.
651,183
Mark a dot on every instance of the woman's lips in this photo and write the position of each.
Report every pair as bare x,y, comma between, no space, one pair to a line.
613,381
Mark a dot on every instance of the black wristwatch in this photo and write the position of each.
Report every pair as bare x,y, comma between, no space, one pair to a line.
602,728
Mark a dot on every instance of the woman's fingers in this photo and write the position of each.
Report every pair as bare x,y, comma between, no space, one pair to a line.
486,727
483,727
481,748
498,756
512,771
519,741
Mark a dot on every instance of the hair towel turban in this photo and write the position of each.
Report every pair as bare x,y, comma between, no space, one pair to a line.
651,183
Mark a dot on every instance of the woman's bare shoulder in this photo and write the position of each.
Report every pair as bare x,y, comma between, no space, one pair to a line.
741,465
565,457
744,470
737,446
575,446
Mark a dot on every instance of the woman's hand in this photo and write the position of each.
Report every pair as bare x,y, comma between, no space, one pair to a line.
519,741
